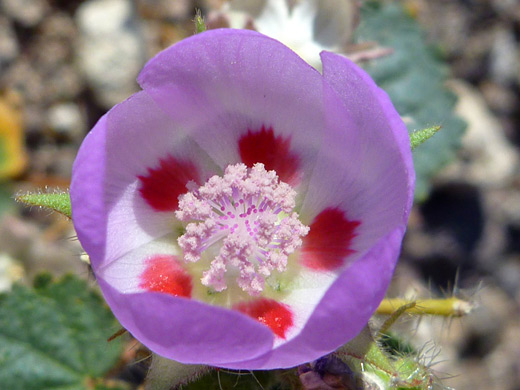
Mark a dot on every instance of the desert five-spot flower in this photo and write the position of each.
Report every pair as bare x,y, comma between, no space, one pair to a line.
244,210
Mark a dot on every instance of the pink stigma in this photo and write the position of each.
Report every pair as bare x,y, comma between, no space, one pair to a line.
250,213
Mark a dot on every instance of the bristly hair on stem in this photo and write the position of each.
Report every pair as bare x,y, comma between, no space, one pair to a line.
200,25
56,200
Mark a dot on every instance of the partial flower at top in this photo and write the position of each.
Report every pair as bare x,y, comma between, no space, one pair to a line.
306,26
244,210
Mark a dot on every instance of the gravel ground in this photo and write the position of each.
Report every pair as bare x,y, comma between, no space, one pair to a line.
60,65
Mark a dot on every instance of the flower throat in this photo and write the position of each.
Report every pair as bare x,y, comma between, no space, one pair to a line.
248,215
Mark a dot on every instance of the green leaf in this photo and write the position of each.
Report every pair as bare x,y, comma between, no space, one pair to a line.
58,201
414,77
6,198
54,336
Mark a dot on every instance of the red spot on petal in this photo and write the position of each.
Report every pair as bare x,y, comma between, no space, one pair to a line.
275,315
164,274
274,152
163,185
328,242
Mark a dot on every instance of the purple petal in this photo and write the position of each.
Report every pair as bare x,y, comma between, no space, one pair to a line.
130,141
204,99
86,193
343,311
186,330
224,83
365,167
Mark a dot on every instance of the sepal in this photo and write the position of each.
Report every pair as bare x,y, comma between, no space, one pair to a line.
166,374
58,201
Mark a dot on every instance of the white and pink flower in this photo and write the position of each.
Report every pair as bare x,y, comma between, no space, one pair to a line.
244,210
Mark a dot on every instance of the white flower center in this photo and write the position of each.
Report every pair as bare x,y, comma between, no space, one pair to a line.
249,213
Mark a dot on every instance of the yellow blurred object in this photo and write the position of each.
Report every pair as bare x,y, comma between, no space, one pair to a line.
10,272
13,157
413,7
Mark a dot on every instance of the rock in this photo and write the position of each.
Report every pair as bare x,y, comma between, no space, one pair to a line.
38,250
501,99
66,120
509,9
504,57
508,275
26,12
46,72
166,9
22,77
54,43
488,158
53,160
8,44
111,50
63,83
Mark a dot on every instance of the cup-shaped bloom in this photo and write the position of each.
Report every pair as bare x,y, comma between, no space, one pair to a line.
244,210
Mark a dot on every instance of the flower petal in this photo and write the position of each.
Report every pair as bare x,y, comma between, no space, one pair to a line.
206,102
162,186
328,242
186,330
165,274
86,193
118,178
365,168
274,152
125,273
364,171
226,83
342,312
277,316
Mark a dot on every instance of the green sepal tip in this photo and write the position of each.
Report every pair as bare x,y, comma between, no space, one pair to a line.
418,137
58,201
200,25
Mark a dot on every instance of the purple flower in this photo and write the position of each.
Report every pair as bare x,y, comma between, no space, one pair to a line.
244,210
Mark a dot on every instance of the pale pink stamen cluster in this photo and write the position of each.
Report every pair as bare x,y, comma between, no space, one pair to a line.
250,211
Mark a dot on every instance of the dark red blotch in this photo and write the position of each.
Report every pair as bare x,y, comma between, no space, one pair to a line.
274,152
162,186
328,242
163,273
275,315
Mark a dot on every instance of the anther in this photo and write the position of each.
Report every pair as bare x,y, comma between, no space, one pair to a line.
249,212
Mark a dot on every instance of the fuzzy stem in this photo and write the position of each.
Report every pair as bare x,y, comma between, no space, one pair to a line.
448,307
58,201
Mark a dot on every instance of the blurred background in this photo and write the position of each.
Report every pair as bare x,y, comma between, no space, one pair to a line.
64,63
